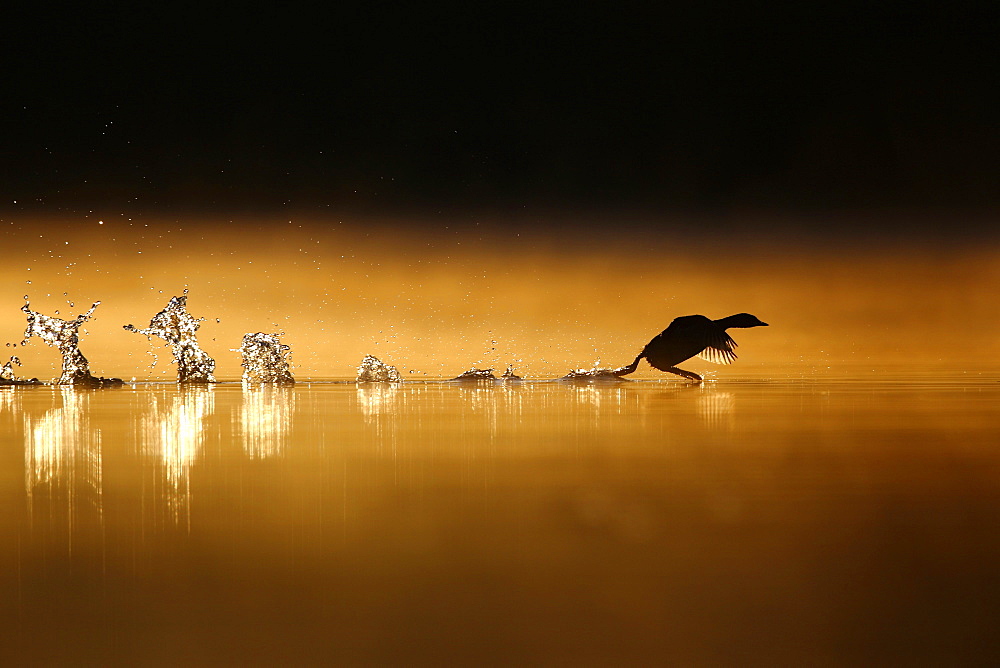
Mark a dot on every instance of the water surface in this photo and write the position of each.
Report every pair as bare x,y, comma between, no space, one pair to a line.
825,519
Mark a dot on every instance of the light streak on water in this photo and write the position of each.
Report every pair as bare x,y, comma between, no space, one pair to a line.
265,420
173,435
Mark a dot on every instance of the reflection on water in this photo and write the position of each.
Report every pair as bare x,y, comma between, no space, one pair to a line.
266,420
376,398
716,407
7,400
731,523
173,435
62,457
602,399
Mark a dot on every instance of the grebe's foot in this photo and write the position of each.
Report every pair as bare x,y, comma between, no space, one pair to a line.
687,374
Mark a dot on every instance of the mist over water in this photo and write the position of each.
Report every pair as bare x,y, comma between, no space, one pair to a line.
437,304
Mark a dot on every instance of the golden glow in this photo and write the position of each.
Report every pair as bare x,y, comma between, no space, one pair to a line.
806,501
434,305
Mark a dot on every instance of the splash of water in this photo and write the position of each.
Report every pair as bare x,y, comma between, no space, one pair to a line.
7,370
64,335
476,375
178,329
373,370
597,374
265,359
7,376
509,374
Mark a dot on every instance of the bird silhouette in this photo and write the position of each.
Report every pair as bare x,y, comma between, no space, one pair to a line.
692,335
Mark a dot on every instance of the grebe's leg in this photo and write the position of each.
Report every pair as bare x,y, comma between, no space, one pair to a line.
681,372
626,370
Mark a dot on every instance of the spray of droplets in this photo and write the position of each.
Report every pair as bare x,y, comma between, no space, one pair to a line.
178,329
373,370
64,335
600,374
476,375
265,360
7,376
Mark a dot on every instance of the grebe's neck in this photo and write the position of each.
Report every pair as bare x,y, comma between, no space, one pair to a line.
742,320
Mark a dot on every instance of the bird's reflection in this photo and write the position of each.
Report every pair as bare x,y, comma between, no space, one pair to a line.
266,419
62,456
717,408
173,434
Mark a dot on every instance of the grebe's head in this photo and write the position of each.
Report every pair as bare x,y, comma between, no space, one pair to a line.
745,320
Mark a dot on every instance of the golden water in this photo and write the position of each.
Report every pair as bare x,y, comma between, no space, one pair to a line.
831,498
838,519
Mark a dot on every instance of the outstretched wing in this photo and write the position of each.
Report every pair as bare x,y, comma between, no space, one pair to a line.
719,349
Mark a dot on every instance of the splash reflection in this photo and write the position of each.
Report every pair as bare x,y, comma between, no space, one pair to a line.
62,457
376,399
266,420
7,402
382,409
600,399
173,437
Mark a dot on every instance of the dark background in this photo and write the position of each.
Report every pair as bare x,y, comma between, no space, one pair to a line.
507,110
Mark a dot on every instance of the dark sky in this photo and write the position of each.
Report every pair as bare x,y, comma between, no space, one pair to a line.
655,108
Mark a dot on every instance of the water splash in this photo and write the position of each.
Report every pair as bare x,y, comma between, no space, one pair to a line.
597,374
265,359
373,370
63,334
178,328
7,376
476,375
509,374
